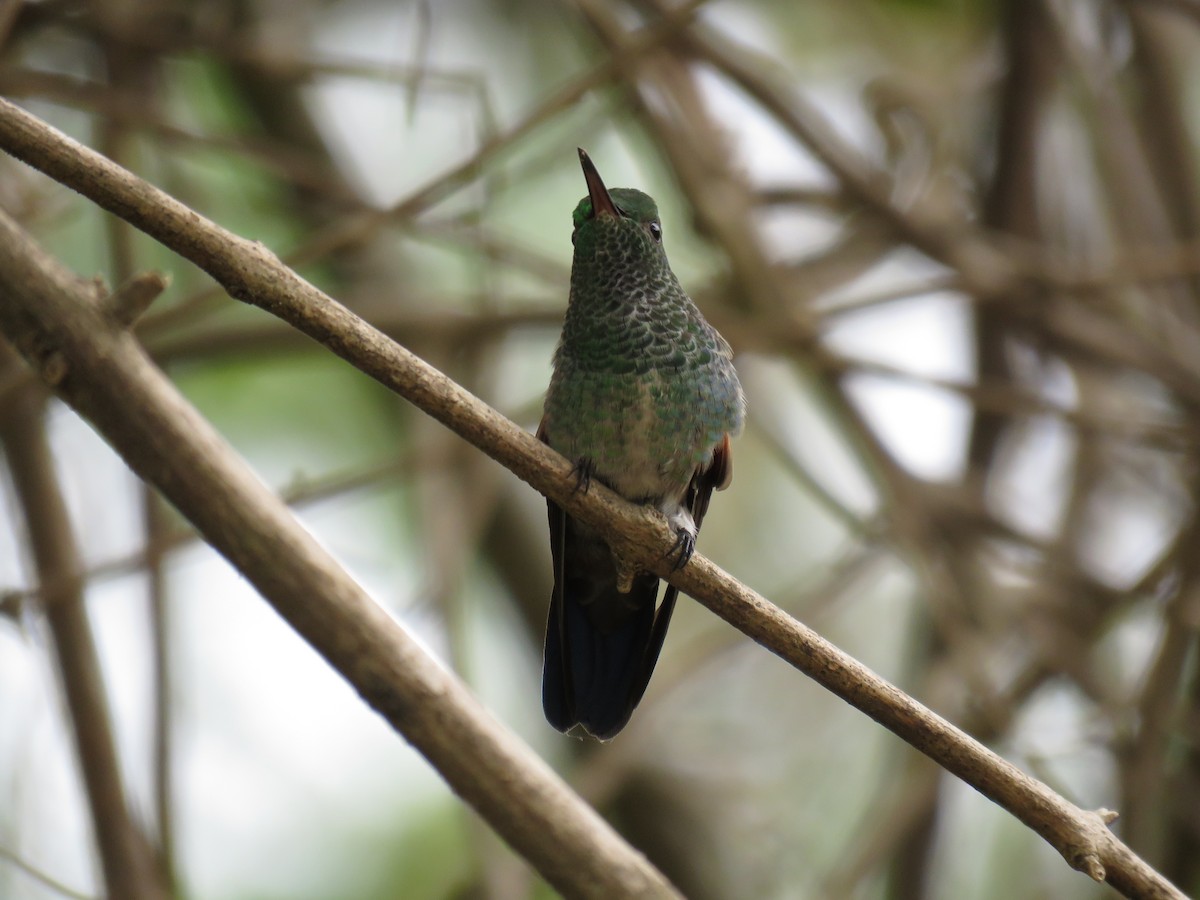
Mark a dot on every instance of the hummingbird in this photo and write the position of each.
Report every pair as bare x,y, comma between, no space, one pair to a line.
643,399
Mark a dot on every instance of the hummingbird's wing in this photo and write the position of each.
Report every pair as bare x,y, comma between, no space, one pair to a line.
716,476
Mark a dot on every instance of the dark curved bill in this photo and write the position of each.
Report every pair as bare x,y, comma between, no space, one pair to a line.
602,203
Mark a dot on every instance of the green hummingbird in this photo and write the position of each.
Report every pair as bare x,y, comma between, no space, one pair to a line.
643,398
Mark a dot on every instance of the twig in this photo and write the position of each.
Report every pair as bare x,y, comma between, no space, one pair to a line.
112,383
129,301
41,877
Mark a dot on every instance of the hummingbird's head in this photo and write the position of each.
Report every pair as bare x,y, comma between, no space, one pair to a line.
623,214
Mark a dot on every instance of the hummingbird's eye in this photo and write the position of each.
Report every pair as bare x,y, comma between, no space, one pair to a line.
656,232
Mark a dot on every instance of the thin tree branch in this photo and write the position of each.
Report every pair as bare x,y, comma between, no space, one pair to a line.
126,857
102,373
1010,206
158,530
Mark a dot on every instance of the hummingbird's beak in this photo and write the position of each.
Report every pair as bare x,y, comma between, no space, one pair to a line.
602,203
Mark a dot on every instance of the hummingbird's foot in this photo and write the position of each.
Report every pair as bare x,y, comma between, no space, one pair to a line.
583,471
680,519
682,549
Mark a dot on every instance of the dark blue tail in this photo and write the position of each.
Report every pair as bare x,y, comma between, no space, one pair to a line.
601,645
